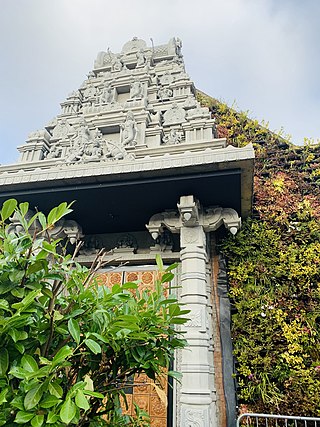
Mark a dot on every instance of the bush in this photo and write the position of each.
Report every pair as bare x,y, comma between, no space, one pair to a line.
68,345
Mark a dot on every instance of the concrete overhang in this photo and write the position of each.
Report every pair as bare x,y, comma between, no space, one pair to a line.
122,196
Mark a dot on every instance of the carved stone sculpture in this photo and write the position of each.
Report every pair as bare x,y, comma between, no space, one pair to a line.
127,241
175,114
129,130
54,153
62,129
164,93
136,90
116,64
141,59
173,137
166,79
107,95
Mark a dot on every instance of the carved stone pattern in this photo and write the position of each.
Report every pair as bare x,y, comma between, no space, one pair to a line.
193,418
195,319
175,114
62,129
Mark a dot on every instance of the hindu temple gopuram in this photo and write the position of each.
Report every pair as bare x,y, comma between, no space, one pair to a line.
141,159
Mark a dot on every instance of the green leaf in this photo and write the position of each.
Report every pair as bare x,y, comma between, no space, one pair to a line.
36,266
37,421
58,212
24,207
62,355
49,401
74,330
178,320
52,418
176,375
3,396
23,417
43,220
167,277
81,400
93,346
68,411
130,285
4,305
29,364
159,262
93,394
8,208
33,397
55,389
4,361
172,267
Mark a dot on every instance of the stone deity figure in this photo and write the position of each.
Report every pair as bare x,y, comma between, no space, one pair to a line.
83,134
173,137
178,46
141,59
116,64
54,153
75,154
107,95
129,130
165,93
136,90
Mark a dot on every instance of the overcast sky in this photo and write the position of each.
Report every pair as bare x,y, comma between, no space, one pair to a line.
262,55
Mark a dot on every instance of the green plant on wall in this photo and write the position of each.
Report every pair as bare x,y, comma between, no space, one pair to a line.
274,271
69,346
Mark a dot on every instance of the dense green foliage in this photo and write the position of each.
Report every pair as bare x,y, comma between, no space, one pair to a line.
274,272
69,346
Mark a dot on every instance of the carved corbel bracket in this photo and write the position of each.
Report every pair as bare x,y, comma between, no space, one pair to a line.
158,222
190,214
189,209
215,217
63,228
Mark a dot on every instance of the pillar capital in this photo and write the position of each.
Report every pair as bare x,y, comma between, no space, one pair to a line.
191,214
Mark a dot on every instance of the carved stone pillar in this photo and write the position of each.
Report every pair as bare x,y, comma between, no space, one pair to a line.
197,394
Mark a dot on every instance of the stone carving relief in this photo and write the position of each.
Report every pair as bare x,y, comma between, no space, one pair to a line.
173,137
164,93
166,79
116,63
127,241
90,91
91,245
193,418
129,130
175,114
197,319
199,112
141,59
137,90
62,129
107,95
160,95
134,45
39,134
190,216
115,151
54,152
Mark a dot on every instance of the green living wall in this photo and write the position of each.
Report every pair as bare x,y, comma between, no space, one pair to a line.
274,272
